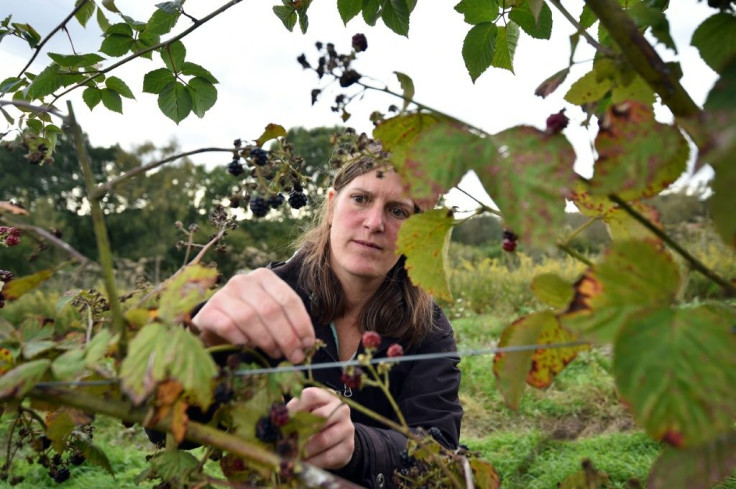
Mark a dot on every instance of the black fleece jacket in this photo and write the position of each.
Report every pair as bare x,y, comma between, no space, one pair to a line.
426,392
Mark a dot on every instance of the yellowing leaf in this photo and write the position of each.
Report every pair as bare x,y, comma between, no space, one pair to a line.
272,131
19,286
186,290
145,364
622,226
18,381
548,362
553,290
59,426
6,360
398,134
425,239
189,363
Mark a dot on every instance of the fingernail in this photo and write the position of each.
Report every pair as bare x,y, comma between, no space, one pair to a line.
297,356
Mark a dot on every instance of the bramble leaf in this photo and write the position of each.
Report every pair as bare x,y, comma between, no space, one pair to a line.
171,464
204,95
83,14
175,101
548,362
407,87
192,366
399,133
193,69
425,240
19,286
529,181
59,425
676,370
18,381
186,290
553,290
395,14
111,100
715,39
11,84
173,56
622,226
371,9
349,9
145,365
272,131
722,202
478,11
164,18
118,86
69,365
632,276
155,81
638,157
588,88
76,60
118,40
46,83
287,15
537,26
102,20
479,48
506,40
94,455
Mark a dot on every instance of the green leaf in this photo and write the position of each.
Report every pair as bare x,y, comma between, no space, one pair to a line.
98,347
35,347
19,286
272,131
117,85
173,56
84,13
371,9
175,101
589,88
35,125
407,87
76,60
204,95
28,33
192,366
699,467
11,84
506,40
155,81
715,38
173,464
722,202
94,455
69,365
164,18
621,226
192,69
92,96
425,240
395,14
529,181
553,290
635,89
645,16
18,381
102,20
188,289
478,11
303,20
58,429
110,5
587,17
479,47
539,27
111,99
676,370
632,276
349,9
46,83
638,157
399,133
118,40
287,15
145,364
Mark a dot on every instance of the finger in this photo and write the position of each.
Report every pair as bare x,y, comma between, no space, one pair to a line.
216,327
333,446
295,310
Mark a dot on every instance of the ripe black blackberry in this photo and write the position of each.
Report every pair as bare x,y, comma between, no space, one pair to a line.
259,156
235,168
349,77
223,393
297,200
266,431
259,207
279,414
276,200
60,475
77,458
359,43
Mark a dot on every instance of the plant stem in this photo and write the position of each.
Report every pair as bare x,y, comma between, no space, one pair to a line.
384,388
83,260
100,229
308,475
580,28
37,109
51,34
485,208
580,229
570,251
694,263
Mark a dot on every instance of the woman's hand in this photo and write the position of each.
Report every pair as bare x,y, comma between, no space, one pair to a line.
333,446
258,310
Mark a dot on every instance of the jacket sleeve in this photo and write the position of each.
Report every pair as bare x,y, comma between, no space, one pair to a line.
427,396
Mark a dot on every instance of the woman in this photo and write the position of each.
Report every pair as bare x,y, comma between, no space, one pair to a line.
347,279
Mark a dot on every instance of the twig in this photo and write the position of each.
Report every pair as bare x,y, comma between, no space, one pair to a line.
580,229
37,109
83,260
50,35
486,208
573,253
580,29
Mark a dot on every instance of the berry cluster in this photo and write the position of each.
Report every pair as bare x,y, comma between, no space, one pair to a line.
297,200
268,428
259,156
352,379
10,236
510,240
259,207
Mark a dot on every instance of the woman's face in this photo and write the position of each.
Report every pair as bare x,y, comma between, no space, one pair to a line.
365,217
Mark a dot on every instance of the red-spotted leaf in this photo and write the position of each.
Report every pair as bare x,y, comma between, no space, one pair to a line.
398,134
548,362
272,131
622,226
590,205
699,467
529,180
638,157
186,290
632,276
676,370
19,286
145,365
553,290
6,360
18,381
425,239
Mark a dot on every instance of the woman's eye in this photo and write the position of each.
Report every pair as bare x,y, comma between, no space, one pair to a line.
399,213
360,199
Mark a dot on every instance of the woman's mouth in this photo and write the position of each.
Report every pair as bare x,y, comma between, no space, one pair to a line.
368,244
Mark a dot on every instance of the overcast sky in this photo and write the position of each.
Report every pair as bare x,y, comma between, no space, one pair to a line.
254,58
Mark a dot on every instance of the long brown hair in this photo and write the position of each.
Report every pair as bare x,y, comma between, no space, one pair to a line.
397,309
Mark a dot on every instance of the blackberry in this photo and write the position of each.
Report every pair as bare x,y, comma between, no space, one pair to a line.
56,459
298,187
297,200
266,431
223,393
12,240
349,77
406,459
77,458
360,43
279,414
507,234
259,207
60,475
557,122
371,339
508,245
352,381
259,155
276,200
235,168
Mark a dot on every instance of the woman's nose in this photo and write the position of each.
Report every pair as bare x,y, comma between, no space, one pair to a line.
374,219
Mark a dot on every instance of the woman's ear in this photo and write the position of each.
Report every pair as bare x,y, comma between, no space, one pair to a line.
331,194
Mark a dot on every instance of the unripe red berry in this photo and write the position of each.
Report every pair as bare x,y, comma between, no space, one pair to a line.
352,381
395,350
360,43
12,240
508,245
557,122
279,414
371,340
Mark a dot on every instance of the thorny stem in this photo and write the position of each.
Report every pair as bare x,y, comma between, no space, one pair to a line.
100,229
308,475
51,34
694,263
137,54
